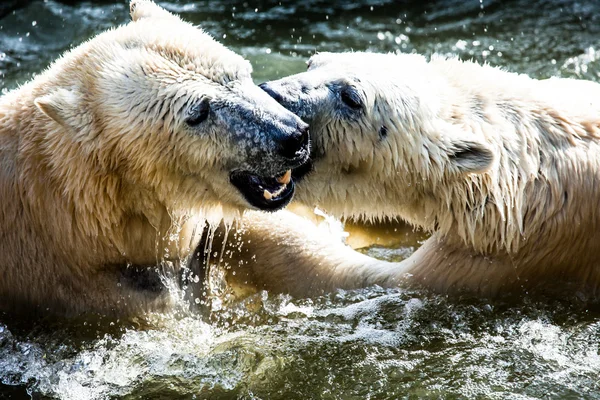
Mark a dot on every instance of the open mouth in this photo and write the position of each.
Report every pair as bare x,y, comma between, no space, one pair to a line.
265,193
300,172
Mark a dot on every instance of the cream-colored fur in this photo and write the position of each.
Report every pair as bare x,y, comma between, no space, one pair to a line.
502,169
101,178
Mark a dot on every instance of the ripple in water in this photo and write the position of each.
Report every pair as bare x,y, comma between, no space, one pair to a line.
371,343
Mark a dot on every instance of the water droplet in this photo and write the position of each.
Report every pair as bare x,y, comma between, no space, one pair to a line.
461,45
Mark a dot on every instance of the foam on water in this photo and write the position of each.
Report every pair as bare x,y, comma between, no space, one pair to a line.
380,342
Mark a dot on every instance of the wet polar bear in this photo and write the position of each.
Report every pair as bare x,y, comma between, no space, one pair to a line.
109,157
502,169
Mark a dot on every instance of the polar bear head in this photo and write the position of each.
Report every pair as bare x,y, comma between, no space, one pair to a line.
382,140
173,114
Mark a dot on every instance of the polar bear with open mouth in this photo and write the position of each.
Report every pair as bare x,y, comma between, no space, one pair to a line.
110,158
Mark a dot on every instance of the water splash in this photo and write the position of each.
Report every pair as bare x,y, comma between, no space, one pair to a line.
583,66
370,342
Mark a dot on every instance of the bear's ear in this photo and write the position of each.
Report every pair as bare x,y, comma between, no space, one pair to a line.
470,157
63,106
140,9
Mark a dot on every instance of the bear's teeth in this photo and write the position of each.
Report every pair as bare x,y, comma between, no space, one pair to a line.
268,195
286,178
279,191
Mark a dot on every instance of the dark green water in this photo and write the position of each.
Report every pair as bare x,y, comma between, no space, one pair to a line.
367,344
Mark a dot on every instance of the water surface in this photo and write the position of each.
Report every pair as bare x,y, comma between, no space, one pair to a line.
364,344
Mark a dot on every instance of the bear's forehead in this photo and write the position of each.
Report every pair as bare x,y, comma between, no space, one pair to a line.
361,63
188,47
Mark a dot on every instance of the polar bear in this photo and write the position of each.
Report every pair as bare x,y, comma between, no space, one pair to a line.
502,169
112,157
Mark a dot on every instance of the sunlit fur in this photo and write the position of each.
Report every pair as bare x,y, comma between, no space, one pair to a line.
98,169
504,170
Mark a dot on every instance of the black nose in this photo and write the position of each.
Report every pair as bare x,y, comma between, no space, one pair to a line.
295,145
271,92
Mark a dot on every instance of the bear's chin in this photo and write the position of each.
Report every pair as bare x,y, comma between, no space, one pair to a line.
264,193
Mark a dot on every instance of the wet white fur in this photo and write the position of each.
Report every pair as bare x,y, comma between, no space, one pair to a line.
98,170
518,210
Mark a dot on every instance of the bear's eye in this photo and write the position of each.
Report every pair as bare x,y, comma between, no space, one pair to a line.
198,113
351,98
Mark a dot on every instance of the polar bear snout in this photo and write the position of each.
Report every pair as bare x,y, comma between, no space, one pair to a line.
275,138
272,142
296,145
306,94
271,92
289,95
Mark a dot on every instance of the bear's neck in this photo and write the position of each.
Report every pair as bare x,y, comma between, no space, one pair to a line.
546,157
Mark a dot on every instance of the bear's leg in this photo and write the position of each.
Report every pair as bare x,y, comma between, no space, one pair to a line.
285,253
447,267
